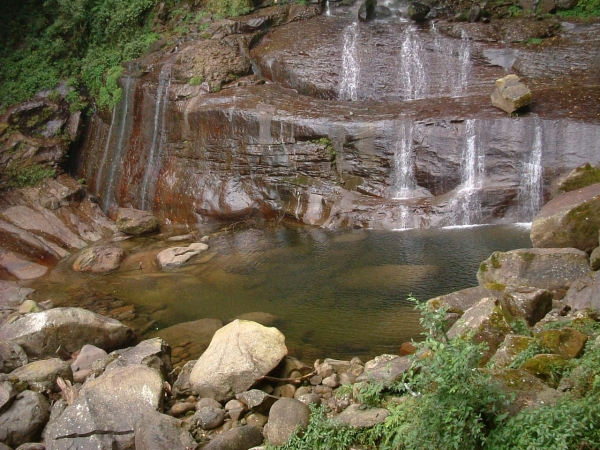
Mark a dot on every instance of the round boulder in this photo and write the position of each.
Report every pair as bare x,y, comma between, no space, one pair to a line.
99,259
287,416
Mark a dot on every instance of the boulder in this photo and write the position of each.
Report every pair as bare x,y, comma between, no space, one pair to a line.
240,438
595,259
174,257
569,220
510,94
528,303
41,375
99,259
257,400
417,11
567,342
12,356
154,353
207,418
367,11
489,320
195,335
40,334
136,222
544,268
356,417
579,178
24,420
546,367
387,369
584,293
460,301
7,395
287,417
107,410
511,347
238,355
181,409
156,431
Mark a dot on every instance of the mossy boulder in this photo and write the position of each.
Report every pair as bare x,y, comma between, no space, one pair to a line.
512,346
579,178
459,301
547,367
136,222
570,220
567,342
553,269
528,303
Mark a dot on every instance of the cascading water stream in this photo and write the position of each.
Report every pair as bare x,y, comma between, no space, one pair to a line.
148,184
350,64
464,58
454,79
413,80
105,157
327,9
530,195
404,157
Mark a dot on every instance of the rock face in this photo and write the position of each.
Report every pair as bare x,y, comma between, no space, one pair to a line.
99,259
135,221
554,269
584,292
570,220
107,410
24,420
40,334
237,356
287,416
510,94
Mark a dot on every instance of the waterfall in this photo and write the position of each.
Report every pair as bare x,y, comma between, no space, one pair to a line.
327,9
404,158
148,184
530,195
350,64
453,80
464,66
413,80
465,208
105,157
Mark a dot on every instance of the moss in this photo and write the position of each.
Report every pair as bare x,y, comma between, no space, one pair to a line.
526,256
495,286
27,176
548,368
495,260
483,267
583,176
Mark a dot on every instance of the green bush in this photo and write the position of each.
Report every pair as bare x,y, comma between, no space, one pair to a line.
229,8
584,9
27,176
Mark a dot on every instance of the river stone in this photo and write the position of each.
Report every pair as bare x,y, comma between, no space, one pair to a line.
156,431
239,438
99,259
12,356
40,334
207,418
569,220
528,303
7,395
489,320
584,293
385,370
264,318
87,356
513,345
24,420
510,94
174,257
181,409
257,400
595,259
417,11
41,375
566,342
544,268
106,412
238,355
135,221
287,417
154,353
354,416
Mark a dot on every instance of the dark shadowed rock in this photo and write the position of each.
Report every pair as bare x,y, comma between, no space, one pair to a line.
367,11
136,222
584,293
528,303
156,431
257,400
544,268
24,420
42,375
417,11
240,438
107,410
7,395
510,94
287,416
40,334
12,356
237,356
99,259
354,416
569,220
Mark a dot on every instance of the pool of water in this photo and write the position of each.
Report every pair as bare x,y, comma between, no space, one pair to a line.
333,294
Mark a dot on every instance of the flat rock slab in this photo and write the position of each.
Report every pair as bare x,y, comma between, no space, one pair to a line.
174,257
21,268
569,220
238,355
40,334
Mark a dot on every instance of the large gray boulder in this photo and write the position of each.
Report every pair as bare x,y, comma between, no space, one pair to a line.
135,221
510,94
287,417
99,259
24,420
569,220
156,431
584,293
460,301
238,355
553,269
107,410
40,334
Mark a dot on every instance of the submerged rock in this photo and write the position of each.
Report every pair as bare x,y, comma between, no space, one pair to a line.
99,259
569,220
40,334
238,355
510,94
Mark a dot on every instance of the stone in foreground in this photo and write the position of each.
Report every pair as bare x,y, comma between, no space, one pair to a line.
569,220
156,431
287,416
238,355
354,416
136,222
510,94
24,420
240,438
40,334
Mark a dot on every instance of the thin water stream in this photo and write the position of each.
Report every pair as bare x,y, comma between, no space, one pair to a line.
333,294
